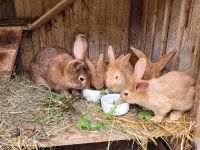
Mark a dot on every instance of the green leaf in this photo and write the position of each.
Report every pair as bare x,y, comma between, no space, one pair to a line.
59,97
84,124
100,125
102,93
38,119
145,115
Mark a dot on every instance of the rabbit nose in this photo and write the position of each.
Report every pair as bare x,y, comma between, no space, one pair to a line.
81,78
125,93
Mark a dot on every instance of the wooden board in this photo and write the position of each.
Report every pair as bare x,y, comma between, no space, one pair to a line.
81,137
7,59
9,42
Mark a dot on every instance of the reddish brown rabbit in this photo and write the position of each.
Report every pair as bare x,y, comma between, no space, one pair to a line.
54,68
153,70
97,71
119,71
172,91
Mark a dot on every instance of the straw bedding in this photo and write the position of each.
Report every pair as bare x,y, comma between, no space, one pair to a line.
29,114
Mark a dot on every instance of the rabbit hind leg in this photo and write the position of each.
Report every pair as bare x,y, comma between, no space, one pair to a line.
175,115
40,81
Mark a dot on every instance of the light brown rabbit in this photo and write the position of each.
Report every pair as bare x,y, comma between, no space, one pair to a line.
172,91
97,69
54,68
153,70
119,71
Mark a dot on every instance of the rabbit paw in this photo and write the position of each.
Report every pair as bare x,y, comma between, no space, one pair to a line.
75,92
157,119
175,115
66,94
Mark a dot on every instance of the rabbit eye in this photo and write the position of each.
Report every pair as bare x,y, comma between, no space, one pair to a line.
81,79
116,77
125,93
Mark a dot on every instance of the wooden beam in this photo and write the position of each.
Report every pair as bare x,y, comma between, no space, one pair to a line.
81,137
50,14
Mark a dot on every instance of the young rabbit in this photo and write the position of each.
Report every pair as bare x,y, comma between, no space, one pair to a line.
172,91
153,70
97,71
54,68
80,50
119,71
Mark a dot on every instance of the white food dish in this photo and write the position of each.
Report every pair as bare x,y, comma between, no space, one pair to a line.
107,104
93,95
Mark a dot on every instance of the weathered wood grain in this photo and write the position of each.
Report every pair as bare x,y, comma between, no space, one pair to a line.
67,30
158,30
102,28
9,42
36,8
19,7
151,24
165,26
57,30
93,33
173,25
135,32
7,9
125,25
145,11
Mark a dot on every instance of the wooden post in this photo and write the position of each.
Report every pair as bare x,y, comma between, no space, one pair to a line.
165,26
50,14
179,34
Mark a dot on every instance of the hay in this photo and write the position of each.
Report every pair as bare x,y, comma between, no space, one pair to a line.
28,115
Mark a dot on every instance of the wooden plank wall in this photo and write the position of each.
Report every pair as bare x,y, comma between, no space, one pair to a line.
167,25
105,22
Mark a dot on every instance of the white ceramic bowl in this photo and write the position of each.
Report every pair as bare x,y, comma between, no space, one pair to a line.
93,95
107,104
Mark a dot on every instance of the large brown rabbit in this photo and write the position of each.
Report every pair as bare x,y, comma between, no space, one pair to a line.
153,70
54,68
172,91
119,71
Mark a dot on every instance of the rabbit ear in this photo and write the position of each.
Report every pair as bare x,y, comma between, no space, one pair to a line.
120,57
124,60
165,59
111,56
141,85
90,65
140,68
80,47
74,66
139,53
100,62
